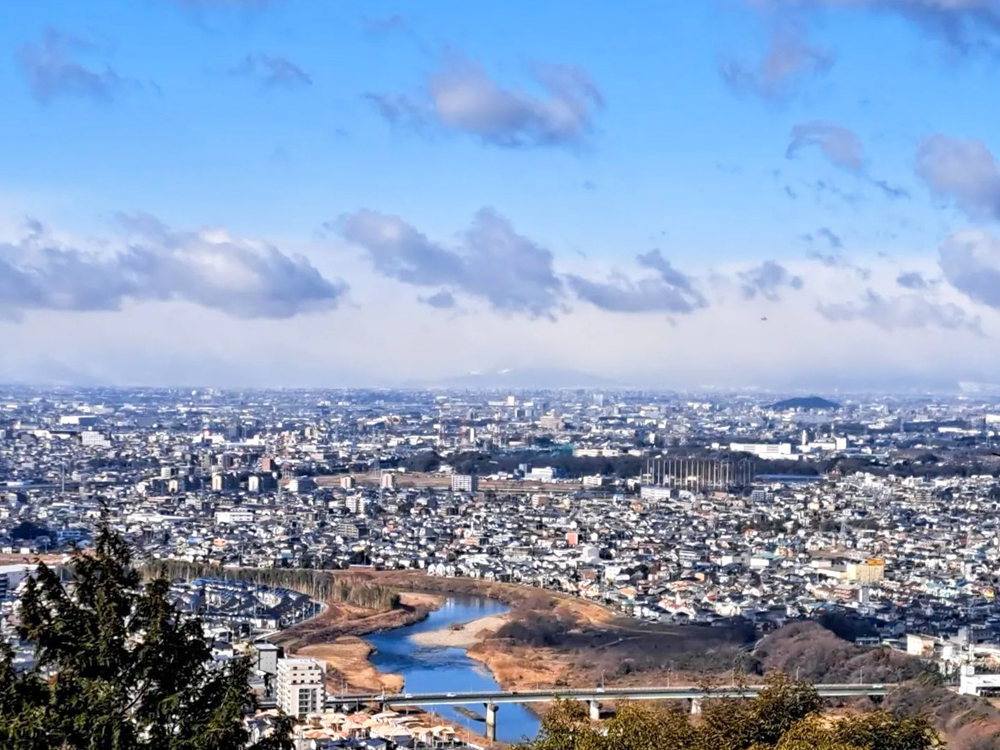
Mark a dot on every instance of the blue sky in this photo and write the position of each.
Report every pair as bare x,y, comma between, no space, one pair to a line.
180,175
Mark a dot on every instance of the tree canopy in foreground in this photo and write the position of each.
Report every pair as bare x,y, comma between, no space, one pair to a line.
785,716
118,667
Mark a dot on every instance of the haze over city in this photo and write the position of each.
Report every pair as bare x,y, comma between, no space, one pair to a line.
289,193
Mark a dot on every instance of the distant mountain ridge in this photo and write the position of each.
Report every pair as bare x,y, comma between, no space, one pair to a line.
809,403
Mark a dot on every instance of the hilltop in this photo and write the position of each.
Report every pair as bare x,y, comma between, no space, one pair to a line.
809,403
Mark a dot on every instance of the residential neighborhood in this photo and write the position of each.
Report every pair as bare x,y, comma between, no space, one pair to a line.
668,508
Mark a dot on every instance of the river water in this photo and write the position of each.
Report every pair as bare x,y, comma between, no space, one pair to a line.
433,669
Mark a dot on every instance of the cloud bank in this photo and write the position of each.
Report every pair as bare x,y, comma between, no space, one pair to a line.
490,262
665,290
900,311
970,261
241,277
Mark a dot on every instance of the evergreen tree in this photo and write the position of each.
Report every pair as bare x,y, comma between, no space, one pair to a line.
118,667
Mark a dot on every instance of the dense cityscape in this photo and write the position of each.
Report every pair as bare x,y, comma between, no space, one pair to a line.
669,508
394,375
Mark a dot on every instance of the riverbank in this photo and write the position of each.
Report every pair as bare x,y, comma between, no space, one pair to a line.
511,594
511,671
431,658
339,620
337,642
547,639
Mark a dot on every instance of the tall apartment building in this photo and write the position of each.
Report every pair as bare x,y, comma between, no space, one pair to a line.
300,686
464,483
356,504
12,575
870,571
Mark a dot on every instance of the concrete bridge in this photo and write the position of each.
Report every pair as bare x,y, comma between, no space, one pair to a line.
593,696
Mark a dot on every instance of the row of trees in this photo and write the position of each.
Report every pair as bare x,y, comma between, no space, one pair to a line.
785,716
319,584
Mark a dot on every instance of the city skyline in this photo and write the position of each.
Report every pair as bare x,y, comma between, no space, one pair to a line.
736,193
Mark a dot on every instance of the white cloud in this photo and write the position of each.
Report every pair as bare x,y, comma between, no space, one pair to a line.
491,262
463,98
965,25
964,170
840,145
239,276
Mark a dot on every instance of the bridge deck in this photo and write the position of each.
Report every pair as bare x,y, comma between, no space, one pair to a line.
595,694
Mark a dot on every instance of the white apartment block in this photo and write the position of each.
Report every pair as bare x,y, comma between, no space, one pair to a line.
232,517
765,450
300,686
464,483
92,439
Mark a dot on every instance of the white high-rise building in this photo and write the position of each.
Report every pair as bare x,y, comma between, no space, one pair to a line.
464,483
356,504
300,686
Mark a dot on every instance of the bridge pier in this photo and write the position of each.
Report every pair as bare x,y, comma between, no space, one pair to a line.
695,706
491,721
595,711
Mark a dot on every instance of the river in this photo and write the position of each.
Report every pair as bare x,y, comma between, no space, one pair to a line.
433,669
